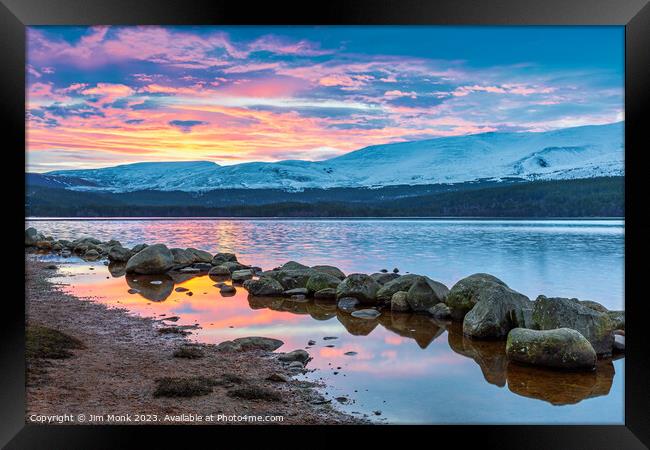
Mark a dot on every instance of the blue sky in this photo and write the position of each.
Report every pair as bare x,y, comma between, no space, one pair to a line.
100,96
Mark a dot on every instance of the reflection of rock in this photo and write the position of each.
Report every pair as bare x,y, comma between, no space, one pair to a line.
413,326
321,310
155,292
181,277
273,303
489,355
117,269
355,326
560,388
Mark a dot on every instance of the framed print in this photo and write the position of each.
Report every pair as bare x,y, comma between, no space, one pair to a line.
369,216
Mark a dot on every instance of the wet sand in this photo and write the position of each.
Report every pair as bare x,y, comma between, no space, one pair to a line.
123,356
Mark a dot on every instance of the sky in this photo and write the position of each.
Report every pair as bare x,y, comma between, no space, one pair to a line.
102,96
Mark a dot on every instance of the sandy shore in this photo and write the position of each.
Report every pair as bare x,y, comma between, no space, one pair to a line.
116,372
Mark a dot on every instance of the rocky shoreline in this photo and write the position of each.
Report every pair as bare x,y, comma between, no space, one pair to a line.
554,333
86,359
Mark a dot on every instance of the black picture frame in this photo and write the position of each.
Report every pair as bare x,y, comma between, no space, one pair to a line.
15,15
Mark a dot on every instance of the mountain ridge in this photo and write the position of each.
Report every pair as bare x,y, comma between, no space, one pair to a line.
570,153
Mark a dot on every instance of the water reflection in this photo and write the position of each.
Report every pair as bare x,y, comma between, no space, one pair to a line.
406,357
564,258
152,287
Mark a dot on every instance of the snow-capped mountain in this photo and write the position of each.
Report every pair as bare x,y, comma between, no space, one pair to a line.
580,152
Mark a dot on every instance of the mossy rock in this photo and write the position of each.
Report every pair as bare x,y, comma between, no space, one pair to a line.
498,310
48,343
321,280
562,348
597,327
463,295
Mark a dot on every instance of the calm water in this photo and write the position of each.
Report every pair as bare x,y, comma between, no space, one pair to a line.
409,367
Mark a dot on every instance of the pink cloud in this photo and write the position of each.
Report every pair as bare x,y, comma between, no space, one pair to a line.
109,92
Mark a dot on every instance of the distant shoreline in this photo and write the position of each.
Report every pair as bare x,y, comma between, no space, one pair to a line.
423,218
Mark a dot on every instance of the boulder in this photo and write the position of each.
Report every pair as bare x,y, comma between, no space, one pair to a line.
421,295
348,304
293,265
440,311
383,278
360,286
404,283
32,236
561,348
498,309
263,287
331,270
399,302
291,278
200,256
182,257
246,344
220,258
325,294
233,266
152,260
321,280
619,343
617,318
117,253
597,327
239,276
463,295
138,248
296,355
219,271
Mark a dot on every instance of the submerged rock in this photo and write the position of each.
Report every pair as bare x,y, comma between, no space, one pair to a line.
463,295
498,310
360,286
348,304
561,348
366,314
154,259
263,287
597,327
